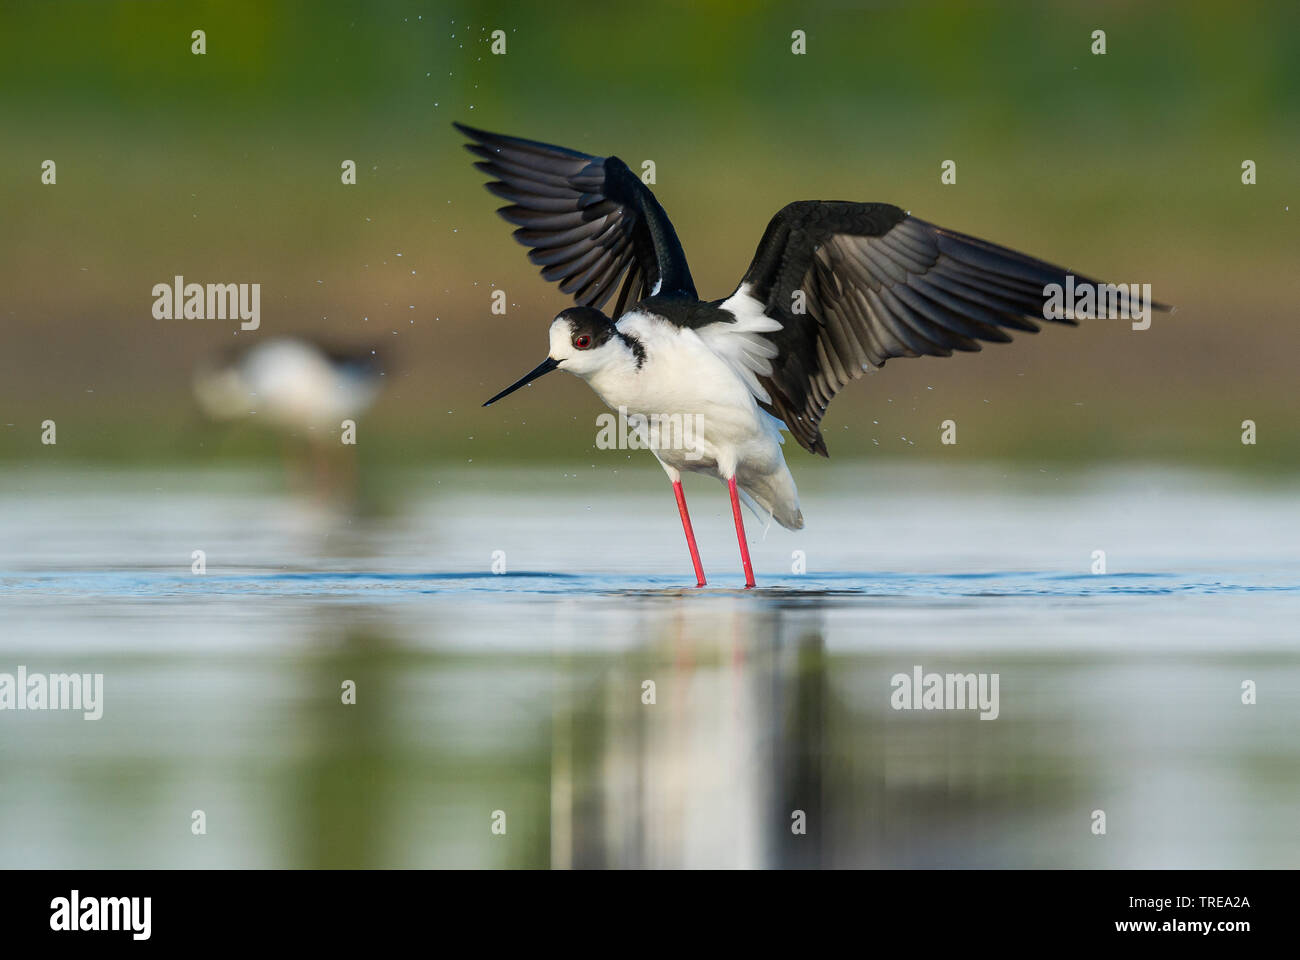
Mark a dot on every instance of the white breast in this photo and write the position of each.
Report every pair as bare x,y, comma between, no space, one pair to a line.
684,376
680,373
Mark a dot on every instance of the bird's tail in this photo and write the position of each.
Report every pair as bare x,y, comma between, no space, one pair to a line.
773,496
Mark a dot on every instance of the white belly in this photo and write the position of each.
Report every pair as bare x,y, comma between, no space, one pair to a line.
708,420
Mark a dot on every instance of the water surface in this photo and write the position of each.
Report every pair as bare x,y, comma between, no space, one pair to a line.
522,692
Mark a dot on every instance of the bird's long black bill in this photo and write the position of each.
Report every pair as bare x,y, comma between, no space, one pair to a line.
545,367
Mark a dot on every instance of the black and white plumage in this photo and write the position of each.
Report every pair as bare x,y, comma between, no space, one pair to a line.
834,289
877,283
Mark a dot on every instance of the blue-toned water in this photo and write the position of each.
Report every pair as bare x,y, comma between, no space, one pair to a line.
388,587
524,691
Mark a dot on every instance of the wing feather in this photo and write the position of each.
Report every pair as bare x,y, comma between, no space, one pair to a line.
588,221
877,283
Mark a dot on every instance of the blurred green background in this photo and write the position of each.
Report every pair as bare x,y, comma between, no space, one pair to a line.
226,168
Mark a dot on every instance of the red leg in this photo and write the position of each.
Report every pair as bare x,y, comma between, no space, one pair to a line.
740,533
690,534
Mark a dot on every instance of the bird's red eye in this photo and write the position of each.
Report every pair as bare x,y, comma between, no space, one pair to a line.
582,342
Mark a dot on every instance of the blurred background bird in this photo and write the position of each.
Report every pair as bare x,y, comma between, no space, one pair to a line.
308,391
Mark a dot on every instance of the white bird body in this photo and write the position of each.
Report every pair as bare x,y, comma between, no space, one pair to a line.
291,383
307,391
693,381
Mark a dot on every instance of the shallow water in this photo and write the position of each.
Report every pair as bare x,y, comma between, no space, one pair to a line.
522,692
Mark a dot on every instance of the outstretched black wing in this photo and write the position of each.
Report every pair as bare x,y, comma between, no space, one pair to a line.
854,284
589,220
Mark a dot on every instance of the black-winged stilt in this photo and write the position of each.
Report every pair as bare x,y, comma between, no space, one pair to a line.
292,382
834,288
299,386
